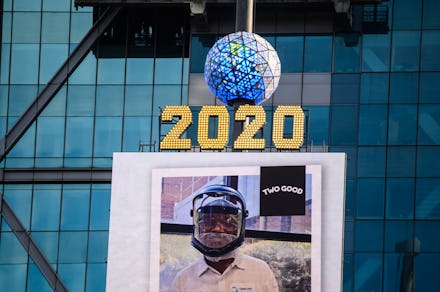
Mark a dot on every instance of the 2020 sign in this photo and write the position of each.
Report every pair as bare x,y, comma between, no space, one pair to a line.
246,140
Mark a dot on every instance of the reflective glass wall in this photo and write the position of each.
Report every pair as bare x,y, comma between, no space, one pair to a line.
374,95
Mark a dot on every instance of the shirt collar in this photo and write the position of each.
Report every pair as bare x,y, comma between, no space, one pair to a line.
238,263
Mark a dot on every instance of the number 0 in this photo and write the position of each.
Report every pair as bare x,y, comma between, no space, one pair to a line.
278,127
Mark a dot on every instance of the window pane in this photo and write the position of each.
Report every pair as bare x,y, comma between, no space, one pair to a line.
371,161
73,247
46,209
12,276
405,51
318,124
55,27
36,280
139,71
368,272
11,250
56,5
428,161
429,240
399,236
24,65
75,209
370,198
52,57
108,134
25,147
137,130
348,272
400,198
343,129
79,134
404,87
96,277
429,89
168,71
402,124
21,97
97,250
73,276
373,124
6,27
316,90
4,66
430,49
427,198
397,276
57,106
426,276
166,95
345,88
407,14
109,100
318,54
431,11
80,25
374,88
290,52
86,71
111,71
375,53
27,5
48,243
138,100
429,121
26,27
100,210
347,51
369,235
401,161
81,100
50,137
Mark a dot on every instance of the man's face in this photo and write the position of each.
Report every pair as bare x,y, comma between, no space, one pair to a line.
218,230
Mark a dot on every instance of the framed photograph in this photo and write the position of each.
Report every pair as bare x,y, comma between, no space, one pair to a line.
288,198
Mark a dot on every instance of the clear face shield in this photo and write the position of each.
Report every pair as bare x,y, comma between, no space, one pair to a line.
217,220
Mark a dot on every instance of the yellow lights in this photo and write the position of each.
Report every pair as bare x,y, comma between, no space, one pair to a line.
278,127
172,139
245,140
222,129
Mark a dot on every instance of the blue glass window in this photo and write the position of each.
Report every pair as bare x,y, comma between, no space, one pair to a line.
429,89
371,161
55,28
430,48
429,120
405,51
166,95
400,198
100,209
370,198
50,137
200,46
431,11
398,236
24,64
27,5
75,208
21,97
318,124
137,130
348,272
109,100
139,71
349,236
345,89
11,250
13,276
108,136
73,247
19,198
26,27
4,66
47,242
168,71
374,88
343,126
407,14
79,136
57,107
36,280
394,272
402,124
46,208
404,87
80,25
23,152
375,53
429,239
427,198
6,27
81,100
56,5
73,276
369,235
347,53
96,277
52,57
372,124
318,54
86,71
401,161
368,272
138,100
97,250
290,52
426,275
428,161
111,71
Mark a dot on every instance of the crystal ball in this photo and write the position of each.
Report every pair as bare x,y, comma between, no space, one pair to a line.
242,67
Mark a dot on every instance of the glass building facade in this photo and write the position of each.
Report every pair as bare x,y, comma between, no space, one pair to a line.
373,93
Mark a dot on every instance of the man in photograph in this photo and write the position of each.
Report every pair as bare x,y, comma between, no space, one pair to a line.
219,218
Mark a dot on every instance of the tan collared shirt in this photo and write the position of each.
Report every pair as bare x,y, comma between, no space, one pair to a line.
245,274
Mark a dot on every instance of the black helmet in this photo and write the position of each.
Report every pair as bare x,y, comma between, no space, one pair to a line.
219,214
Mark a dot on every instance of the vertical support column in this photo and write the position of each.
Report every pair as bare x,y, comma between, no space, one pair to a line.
244,15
